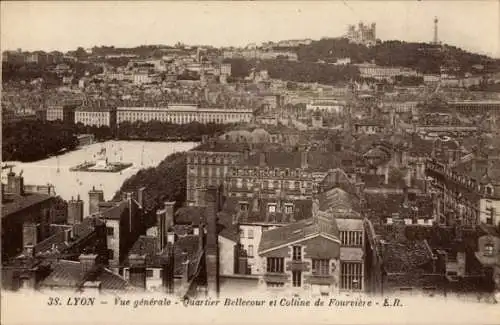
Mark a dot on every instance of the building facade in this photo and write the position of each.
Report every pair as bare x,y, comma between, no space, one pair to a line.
96,116
183,114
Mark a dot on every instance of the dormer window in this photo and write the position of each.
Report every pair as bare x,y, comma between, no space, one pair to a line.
488,250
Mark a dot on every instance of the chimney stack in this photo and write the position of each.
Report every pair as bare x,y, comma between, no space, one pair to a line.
201,232
303,159
87,262
15,184
137,272
75,211
211,248
161,230
386,175
140,196
169,214
95,197
185,268
168,270
262,159
30,233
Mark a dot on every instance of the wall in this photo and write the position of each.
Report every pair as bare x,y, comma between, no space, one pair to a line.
114,241
484,213
317,247
226,256
254,263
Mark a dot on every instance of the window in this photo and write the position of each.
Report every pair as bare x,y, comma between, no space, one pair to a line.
149,273
250,251
110,231
351,276
250,233
111,254
351,238
288,208
297,253
275,264
271,208
244,206
488,250
275,284
297,278
320,267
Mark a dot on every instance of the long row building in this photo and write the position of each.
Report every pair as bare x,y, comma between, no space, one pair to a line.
175,113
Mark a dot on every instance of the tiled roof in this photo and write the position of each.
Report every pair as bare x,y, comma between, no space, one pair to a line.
226,227
145,245
339,200
222,146
275,159
405,257
297,231
324,161
69,274
56,244
14,203
302,210
190,246
115,212
189,215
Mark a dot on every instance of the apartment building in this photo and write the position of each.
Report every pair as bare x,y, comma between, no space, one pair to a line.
96,116
183,114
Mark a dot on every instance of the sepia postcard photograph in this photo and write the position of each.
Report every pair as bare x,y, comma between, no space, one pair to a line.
250,162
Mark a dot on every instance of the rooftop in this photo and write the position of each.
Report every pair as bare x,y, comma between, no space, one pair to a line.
299,230
70,274
15,203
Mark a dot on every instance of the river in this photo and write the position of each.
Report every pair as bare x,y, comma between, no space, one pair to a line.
68,184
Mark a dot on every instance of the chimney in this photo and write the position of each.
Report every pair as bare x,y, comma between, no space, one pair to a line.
185,268
15,184
303,159
92,287
168,270
95,197
360,189
201,232
30,233
169,214
399,227
140,196
137,272
68,235
405,196
29,250
262,159
386,175
87,262
161,229
211,248
75,211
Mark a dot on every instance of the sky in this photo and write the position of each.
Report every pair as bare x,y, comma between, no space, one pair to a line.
64,25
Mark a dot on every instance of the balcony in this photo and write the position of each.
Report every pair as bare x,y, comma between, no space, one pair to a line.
321,279
275,277
298,265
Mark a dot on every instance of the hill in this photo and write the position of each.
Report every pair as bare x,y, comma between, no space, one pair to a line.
423,57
